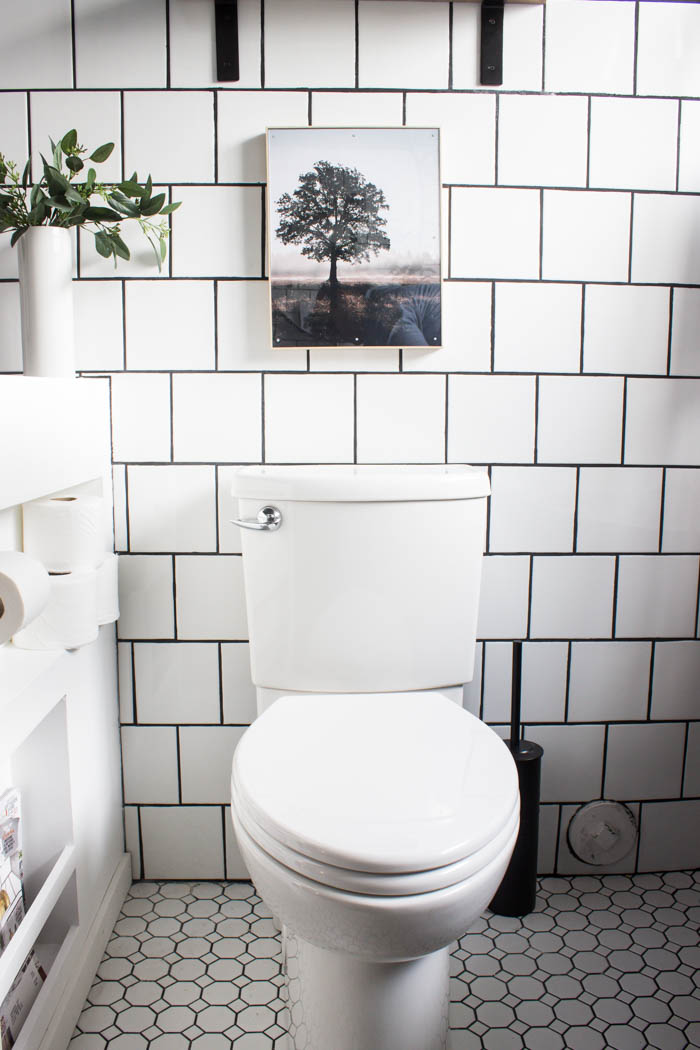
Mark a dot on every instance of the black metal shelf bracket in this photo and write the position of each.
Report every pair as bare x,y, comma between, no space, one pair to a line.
226,22
492,42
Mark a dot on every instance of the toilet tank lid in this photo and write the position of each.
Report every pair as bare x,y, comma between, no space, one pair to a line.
361,483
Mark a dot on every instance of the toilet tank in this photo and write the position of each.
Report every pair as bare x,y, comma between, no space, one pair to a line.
371,582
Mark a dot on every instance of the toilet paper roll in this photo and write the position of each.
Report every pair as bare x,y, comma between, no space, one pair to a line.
69,619
65,533
24,591
108,590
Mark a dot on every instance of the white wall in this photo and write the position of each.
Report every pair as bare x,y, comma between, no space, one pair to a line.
570,367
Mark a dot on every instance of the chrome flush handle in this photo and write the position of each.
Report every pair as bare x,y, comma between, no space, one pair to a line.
269,519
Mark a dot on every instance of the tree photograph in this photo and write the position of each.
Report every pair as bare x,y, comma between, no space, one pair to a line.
354,222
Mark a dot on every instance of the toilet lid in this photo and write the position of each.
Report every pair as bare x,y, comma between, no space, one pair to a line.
386,783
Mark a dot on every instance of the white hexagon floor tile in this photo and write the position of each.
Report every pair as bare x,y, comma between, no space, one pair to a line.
602,963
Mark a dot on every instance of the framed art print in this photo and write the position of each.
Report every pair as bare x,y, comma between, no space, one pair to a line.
354,237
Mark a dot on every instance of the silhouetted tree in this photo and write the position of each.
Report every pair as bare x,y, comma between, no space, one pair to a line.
334,214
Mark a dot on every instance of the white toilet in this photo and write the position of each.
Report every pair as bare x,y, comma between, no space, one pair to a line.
375,815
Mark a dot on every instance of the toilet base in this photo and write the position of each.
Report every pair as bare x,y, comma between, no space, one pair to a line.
340,1002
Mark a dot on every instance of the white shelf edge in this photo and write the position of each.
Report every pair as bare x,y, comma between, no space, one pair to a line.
28,1036
33,922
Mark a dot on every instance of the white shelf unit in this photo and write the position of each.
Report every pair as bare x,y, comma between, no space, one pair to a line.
59,737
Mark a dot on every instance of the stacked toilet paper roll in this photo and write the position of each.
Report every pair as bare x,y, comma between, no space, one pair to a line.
66,534
24,592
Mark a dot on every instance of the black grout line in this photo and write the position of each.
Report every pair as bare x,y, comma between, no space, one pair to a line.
536,435
492,333
140,834
174,595
357,43
652,659
684,762
496,137
531,572
623,426
671,305
167,44
263,453
450,46
583,329
447,417
678,147
354,419
134,711
544,47
577,491
215,113
216,326
662,505
179,765
631,240
262,45
697,608
567,683
588,142
541,247
310,111
557,837
604,763
636,47
616,580
221,682
73,49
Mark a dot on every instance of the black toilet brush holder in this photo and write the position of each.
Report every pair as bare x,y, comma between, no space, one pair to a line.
517,893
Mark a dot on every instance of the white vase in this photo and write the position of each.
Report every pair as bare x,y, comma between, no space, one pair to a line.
46,301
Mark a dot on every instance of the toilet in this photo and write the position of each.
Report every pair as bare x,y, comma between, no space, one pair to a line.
376,816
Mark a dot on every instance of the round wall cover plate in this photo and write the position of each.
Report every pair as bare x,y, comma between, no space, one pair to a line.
602,832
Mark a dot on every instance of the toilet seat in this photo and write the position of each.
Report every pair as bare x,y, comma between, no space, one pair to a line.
387,794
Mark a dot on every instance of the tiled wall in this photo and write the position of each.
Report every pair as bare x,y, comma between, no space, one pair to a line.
570,368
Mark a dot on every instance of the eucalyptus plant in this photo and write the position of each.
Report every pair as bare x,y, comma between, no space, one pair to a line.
61,199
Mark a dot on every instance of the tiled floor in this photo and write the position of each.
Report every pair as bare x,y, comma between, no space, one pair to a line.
611,962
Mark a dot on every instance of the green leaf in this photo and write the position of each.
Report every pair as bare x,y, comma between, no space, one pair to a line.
101,214
36,195
59,202
91,179
131,189
163,249
69,141
25,174
17,234
74,163
103,244
119,247
73,196
147,190
154,205
169,208
102,152
38,214
56,182
124,206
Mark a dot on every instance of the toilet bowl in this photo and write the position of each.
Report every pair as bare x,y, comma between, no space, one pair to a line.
376,816
374,856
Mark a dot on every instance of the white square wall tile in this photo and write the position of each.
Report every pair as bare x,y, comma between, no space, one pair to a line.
243,313
585,234
206,755
467,133
420,44
400,419
572,597
146,596
13,127
96,116
572,762
10,329
491,419
229,534
142,261
149,762
217,232
182,842
663,421
669,39
669,835
140,417
348,359
522,47
235,865
466,332
609,680
532,509
689,147
103,36
544,681
580,420
177,682
309,419
681,526
626,329
664,240
644,761
685,346
169,325
538,327
505,585
498,676
619,509
193,44
217,417
495,233
99,328
151,147
309,43
590,47
547,862
35,47
691,780
241,121
132,839
172,508
634,143
542,140
210,597
356,109
239,696
121,533
676,677
471,692
657,596
125,679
